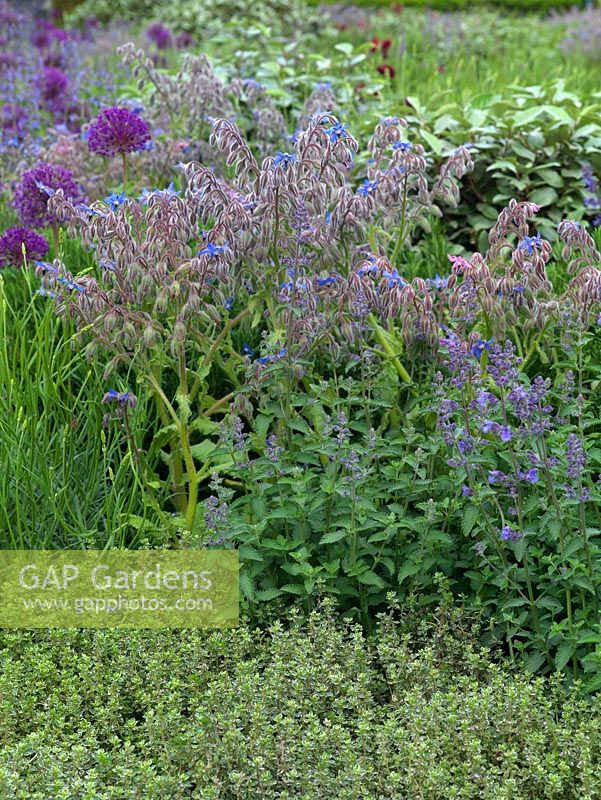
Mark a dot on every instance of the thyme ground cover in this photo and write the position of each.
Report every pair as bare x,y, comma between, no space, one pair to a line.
323,287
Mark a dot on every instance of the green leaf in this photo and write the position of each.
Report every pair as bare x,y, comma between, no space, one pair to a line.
333,536
249,553
535,662
435,143
527,115
371,579
264,595
563,655
294,588
246,586
543,197
203,450
470,517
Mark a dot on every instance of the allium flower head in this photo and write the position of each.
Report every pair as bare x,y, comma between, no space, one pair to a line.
184,41
159,35
118,130
12,242
36,186
12,119
53,85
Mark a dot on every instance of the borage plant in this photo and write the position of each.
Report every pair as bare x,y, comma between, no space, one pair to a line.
182,277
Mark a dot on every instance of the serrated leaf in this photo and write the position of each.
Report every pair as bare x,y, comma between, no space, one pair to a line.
246,586
535,662
371,579
249,553
333,536
469,519
563,655
263,595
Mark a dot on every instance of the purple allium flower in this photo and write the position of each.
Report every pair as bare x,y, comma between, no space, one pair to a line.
8,60
159,35
11,246
13,120
41,38
53,85
118,130
37,184
184,40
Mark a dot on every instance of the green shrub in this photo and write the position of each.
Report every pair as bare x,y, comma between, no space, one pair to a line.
466,5
530,143
312,712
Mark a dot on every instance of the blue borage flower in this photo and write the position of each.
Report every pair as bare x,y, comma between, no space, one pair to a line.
404,147
480,346
213,250
229,303
46,266
284,160
337,132
438,283
368,188
516,290
46,189
89,210
330,280
71,285
247,350
167,193
274,357
121,398
529,243
394,279
114,200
